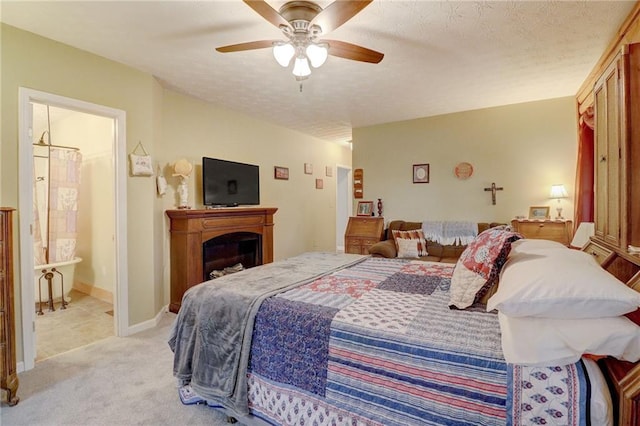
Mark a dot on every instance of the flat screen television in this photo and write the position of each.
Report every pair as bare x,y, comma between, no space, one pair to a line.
229,184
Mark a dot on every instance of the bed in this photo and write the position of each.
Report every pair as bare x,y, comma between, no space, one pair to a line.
330,339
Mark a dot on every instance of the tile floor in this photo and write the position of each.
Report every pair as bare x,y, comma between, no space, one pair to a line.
85,321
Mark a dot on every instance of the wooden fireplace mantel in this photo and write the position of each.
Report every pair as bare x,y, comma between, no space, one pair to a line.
191,228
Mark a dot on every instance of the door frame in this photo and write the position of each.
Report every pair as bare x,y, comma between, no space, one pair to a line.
344,203
26,97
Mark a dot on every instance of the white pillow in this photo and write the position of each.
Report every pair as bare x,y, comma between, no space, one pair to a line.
534,246
560,283
407,248
600,401
550,341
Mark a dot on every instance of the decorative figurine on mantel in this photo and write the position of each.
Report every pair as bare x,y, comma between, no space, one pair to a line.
182,169
379,206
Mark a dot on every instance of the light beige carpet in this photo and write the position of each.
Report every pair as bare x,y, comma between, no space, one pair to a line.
116,381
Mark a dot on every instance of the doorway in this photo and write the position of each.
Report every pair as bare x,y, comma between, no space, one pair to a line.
344,206
93,136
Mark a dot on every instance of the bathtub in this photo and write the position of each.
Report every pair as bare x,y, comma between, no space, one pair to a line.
67,269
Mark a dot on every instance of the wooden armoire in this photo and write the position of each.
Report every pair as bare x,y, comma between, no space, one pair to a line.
8,372
616,102
617,165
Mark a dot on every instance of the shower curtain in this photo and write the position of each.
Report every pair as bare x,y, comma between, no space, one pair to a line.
57,180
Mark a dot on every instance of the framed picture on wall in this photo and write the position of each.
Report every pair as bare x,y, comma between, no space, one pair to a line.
420,173
365,208
281,172
328,171
308,168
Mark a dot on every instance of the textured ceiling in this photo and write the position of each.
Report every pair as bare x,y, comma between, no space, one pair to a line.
440,56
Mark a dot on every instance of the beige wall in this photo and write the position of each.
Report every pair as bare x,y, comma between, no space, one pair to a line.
524,148
171,126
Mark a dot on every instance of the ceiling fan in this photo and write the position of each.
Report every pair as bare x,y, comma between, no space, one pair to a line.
303,23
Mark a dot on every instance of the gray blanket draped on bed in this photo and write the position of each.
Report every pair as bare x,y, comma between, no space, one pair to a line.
211,336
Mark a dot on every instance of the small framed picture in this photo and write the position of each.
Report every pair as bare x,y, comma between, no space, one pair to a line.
319,184
308,168
420,173
539,212
328,171
281,173
365,208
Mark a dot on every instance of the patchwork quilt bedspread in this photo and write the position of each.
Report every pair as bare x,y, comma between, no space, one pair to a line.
376,343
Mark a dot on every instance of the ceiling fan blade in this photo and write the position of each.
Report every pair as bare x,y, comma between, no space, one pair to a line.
267,12
346,50
246,46
337,13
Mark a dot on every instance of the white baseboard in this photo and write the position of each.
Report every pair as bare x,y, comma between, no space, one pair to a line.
146,325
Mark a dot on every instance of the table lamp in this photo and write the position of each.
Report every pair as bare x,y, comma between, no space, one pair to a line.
558,192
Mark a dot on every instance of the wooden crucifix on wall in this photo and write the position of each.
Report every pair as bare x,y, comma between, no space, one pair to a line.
493,188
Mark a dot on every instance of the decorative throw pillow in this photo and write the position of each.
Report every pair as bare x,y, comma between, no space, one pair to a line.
416,236
407,248
478,267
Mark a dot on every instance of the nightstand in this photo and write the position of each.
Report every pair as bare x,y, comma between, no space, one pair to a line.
554,230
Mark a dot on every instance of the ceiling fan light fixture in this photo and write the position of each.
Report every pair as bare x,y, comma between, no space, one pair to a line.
301,67
317,53
283,52
302,23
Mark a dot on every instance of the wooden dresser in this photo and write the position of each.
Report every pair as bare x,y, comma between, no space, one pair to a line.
8,372
362,232
554,230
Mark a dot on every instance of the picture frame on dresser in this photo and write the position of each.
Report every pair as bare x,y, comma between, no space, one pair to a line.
539,212
365,208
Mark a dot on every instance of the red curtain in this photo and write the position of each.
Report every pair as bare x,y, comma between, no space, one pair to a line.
584,170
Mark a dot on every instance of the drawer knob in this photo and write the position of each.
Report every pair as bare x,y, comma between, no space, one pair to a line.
603,158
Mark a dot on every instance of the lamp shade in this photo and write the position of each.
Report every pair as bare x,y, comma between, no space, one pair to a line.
317,54
283,52
301,67
558,191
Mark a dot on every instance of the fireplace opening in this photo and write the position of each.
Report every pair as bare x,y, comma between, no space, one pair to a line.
229,250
